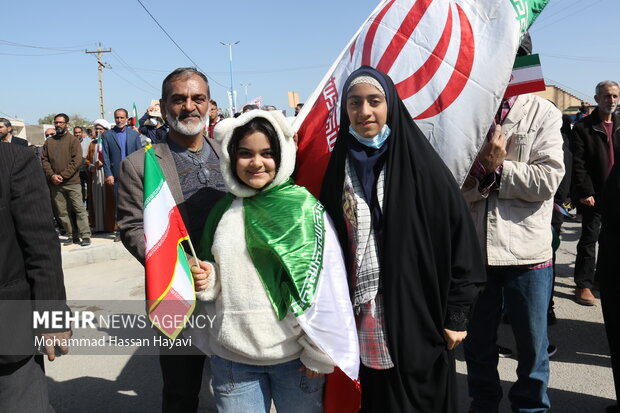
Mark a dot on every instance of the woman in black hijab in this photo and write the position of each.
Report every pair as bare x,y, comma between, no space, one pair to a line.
414,263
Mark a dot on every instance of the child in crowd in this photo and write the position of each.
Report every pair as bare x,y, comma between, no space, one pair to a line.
275,271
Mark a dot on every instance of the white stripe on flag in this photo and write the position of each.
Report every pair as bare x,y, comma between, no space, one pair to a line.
527,74
330,324
181,283
156,220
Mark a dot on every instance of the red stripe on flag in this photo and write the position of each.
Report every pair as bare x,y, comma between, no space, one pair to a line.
462,70
161,260
313,153
342,395
168,314
425,73
403,34
525,87
372,32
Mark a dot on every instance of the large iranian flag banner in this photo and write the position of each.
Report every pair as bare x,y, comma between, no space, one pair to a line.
169,284
450,60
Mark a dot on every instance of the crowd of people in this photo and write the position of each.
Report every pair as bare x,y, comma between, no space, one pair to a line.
410,265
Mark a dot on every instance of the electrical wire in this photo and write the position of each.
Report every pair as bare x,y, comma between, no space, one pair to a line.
179,47
577,93
553,4
582,58
45,54
126,65
61,48
547,15
131,83
290,69
545,24
113,71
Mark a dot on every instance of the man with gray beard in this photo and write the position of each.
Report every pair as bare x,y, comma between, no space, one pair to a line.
191,168
595,144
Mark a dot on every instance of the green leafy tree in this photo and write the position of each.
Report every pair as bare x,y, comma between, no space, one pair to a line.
74,120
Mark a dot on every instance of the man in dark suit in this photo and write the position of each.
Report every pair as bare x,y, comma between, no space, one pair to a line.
118,143
6,133
191,168
30,272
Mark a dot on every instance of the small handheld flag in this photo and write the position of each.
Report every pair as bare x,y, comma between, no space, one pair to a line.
526,77
170,290
135,116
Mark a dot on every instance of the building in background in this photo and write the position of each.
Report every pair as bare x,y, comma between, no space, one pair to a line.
567,102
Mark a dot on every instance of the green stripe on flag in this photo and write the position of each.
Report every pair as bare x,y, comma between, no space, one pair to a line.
153,175
184,263
135,115
528,11
525,61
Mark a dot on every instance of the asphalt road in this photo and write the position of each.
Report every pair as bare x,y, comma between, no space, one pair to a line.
581,378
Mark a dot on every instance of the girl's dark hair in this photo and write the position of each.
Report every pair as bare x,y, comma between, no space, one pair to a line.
255,125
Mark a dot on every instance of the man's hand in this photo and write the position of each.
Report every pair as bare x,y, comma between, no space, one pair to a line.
493,152
453,338
589,201
200,272
51,350
469,183
109,180
311,374
56,179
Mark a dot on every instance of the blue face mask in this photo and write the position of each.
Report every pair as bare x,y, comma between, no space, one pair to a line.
377,141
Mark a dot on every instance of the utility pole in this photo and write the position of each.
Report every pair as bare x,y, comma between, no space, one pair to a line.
232,97
246,85
100,68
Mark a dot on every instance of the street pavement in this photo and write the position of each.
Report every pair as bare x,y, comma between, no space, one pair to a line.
581,378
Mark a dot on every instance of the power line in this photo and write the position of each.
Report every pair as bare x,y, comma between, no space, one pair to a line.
179,47
124,63
290,69
554,3
582,58
61,48
131,83
245,72
566,16
169,37
45,54
545,15
577,93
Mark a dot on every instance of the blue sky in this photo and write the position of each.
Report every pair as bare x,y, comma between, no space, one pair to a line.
284,46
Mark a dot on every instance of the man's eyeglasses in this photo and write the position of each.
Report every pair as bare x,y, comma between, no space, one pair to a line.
203,172
59,123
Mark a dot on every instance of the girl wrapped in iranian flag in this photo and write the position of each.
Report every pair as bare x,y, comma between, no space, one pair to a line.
274,269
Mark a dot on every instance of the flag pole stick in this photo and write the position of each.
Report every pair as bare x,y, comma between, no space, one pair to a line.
191,247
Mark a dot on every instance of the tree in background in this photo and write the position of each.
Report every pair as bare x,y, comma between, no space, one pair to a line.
74,120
